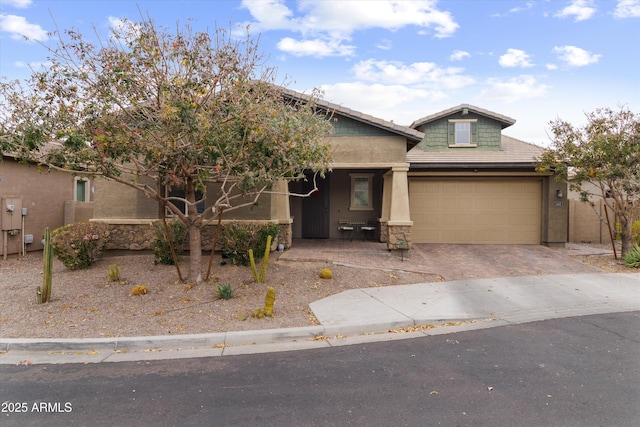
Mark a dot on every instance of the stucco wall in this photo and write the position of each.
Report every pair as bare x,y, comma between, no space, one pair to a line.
43,194
362,151
555,211
115,200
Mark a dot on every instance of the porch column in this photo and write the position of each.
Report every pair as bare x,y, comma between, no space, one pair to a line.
399,223
386,206
281,211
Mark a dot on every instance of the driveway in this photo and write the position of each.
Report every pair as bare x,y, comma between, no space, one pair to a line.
450,262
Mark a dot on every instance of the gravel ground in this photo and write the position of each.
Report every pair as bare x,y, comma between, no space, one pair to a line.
87,304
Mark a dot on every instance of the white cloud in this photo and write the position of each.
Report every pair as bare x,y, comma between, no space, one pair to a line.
515,58
20,4
385,44
123,27
581,9
627,9
418,73
33,65
551,67
334,22
316,47
19,28
459,55
398,103
575,57
513,89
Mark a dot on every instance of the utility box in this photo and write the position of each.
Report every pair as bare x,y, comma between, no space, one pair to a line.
11,213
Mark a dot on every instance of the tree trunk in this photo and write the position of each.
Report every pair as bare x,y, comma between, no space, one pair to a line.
195,236
195,253
625,236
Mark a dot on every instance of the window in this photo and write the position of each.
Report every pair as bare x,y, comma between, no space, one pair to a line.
361,192
179,192
81,189
463,133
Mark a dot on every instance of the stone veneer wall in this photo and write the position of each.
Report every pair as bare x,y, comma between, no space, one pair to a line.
398,235
137,237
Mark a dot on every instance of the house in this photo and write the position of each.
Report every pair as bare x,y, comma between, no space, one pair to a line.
451,177
32,199
469,183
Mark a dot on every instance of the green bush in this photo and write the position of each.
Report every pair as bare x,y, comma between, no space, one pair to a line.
236,239
80,244
160,244
635,232
632,258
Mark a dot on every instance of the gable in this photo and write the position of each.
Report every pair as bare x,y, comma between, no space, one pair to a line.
464,127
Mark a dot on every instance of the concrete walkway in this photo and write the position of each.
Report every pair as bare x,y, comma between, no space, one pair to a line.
367,315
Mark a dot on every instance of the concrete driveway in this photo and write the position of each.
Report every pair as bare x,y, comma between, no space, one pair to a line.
450,262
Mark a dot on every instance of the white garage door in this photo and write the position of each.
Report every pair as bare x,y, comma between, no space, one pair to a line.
475,211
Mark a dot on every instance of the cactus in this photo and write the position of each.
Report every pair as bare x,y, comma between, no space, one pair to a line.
44,294
139,290
262,277
325,273
114,273
265,260
253,266
269,300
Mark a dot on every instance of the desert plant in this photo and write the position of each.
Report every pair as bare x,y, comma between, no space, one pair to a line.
632,258
80,244
139,290
635,231
224,291
160,244
236,239
325,273
114,273
269,301
44,294
262,277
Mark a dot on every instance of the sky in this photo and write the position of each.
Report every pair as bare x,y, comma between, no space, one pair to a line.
534,61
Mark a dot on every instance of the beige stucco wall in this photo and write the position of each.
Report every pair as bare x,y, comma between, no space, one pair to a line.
43,194
555,212
115,200
368,151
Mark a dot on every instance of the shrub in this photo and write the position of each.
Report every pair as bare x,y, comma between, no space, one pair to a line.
114,273
632,258
80,244
160,243
635,231
224,291
236,239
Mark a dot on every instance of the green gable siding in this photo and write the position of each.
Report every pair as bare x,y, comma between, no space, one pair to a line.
486,134
344,126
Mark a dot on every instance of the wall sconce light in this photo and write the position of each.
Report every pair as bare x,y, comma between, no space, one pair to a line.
559,194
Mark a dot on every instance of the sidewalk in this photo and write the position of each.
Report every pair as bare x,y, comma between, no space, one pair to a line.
366,315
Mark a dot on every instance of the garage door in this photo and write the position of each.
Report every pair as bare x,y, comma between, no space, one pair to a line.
475,211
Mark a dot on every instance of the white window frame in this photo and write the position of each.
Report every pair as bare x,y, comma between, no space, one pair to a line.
87,189
369,178
470,123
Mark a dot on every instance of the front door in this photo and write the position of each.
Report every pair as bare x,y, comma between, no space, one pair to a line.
315,209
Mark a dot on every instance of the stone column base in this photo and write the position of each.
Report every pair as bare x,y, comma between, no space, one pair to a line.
399,237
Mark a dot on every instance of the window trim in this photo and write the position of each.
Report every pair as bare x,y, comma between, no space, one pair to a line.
352,202
473,133
87,189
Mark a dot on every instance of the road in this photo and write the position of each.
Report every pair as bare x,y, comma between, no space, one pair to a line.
580,371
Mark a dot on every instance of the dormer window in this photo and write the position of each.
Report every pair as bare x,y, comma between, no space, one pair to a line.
463,133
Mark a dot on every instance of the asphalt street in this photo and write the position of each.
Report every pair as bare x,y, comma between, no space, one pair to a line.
575,371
